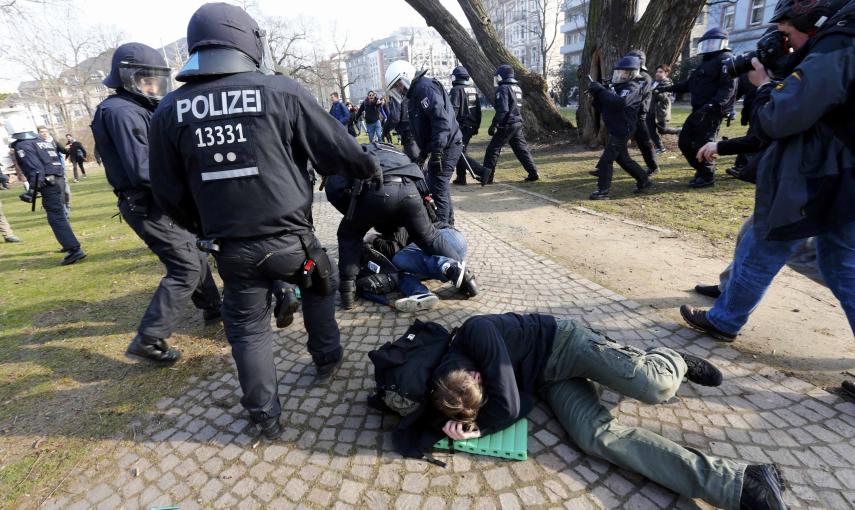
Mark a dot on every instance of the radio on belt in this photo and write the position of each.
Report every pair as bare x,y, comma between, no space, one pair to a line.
309,268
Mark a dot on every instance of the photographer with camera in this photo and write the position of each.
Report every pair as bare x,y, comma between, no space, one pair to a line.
806,177
713,96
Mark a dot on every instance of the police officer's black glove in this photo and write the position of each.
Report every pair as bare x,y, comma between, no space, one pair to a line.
435,163
491,131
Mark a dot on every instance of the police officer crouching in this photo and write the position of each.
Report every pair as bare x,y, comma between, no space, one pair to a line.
403,200
229,154
434,127
45,174
713,96
467,108
140,77
507,126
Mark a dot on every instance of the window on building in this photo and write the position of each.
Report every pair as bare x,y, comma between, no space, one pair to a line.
758,7
701,18
727,17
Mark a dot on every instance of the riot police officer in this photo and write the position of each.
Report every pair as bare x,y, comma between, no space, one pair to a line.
229,154
713,96
507,126
140,77
619,107
402,127
434,127
37,158
402,201
642,137
467,107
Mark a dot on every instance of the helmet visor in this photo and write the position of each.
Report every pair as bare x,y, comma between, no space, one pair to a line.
624,75
712,45
266,66
152,82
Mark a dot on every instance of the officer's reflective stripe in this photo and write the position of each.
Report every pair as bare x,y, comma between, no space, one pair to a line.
229,174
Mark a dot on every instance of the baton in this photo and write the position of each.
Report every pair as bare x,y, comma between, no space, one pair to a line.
35,194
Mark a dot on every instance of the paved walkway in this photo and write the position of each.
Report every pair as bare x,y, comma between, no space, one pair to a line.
336,453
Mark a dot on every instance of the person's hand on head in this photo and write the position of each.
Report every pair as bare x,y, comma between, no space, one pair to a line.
457,431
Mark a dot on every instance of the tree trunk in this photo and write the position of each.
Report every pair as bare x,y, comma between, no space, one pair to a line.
612,31
542,118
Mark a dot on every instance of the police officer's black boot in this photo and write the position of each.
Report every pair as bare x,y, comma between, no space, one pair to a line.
347,289
532,177
762,488
600,194
154,349
287,304
73,256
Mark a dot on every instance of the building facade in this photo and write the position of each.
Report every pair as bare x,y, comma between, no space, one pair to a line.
744,20
530,30
573,31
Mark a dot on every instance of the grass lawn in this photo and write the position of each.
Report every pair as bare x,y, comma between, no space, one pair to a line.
64,382
716,213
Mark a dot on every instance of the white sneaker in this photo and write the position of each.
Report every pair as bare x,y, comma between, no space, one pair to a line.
416,303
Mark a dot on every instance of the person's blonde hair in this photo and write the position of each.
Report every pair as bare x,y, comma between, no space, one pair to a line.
459,396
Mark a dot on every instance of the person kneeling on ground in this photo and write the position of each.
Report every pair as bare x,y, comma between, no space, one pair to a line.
487,381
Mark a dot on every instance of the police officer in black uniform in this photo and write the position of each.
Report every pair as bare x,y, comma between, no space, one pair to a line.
434,127
619,107
402,201
38,160
642,132
507,126
229,155
713,96
140,76
408,142
467,107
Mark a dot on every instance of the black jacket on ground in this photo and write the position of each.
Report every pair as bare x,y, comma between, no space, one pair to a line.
432,118
619,106
121,129
510,351
709,83
229,155
467,105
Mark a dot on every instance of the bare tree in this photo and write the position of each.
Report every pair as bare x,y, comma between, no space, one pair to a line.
290,47
544,27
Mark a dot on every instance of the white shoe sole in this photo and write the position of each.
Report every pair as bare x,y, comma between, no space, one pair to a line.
416,303
462,275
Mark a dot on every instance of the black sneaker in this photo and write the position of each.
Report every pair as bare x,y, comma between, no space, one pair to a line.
270,428
734,172
701,371
600,194
149,348
532,178
287,304
211,315
324,373
661,150
849,388
700,182
697,319
73,256
712,291
762,488
462,278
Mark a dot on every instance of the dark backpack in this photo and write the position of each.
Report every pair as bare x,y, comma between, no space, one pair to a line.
403,368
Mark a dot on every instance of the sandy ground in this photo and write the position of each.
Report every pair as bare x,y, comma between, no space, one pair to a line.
799,327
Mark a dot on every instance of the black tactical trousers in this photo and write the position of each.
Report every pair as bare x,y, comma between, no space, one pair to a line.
53,202
513,135
188,275
439,183
616,151
645,144
462,167
248,285
398,203
699,129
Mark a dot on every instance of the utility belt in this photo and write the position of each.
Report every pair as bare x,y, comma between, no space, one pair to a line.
396,179
138,201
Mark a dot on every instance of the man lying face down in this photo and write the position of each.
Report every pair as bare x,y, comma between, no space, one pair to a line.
497,363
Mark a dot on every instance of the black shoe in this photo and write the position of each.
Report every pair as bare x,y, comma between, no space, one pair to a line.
701,371
63,250
849,387
73,256
697,319
486,177
462,278
459,182
600,194
149,348
270,428
327,371
532,178
595,173
644,186
652,172
287,305
212,315
734,172
701,182
762,488
708,290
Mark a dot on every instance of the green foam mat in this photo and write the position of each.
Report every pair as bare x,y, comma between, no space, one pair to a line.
510,443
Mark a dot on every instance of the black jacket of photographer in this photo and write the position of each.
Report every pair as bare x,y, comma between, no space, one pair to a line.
806,178
709,84
619,106
398,203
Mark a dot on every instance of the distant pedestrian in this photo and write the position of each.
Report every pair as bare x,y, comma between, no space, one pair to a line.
77,154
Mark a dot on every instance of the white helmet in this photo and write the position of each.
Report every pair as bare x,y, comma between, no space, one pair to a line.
399,71
20,127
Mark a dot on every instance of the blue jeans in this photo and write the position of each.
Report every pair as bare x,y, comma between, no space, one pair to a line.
415,266
757,261
375,131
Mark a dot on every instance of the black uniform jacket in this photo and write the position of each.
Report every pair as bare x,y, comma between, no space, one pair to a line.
120,127
619,106
432,118
709,83
37,156
467,105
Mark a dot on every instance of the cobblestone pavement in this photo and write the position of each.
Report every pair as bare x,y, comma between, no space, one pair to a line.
336,453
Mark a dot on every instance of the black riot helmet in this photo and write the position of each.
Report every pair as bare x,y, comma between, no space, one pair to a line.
140,70
224,39
806,16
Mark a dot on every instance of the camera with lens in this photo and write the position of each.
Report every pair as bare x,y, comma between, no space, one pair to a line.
771,50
